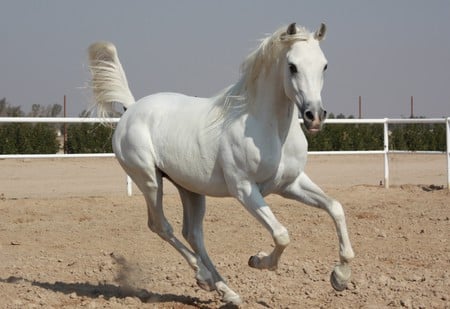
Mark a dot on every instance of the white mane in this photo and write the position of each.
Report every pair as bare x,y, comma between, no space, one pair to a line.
240,95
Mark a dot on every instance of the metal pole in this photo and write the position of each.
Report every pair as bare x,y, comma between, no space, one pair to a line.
412,107
447,124
386,150
65,126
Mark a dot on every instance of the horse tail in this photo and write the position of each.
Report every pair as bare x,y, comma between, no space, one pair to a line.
109,82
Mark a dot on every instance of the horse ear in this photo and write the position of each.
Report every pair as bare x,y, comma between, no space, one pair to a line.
291,29
320,33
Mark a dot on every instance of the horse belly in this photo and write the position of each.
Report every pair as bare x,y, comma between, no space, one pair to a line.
187,166
211,184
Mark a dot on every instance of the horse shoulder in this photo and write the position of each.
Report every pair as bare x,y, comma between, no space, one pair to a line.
294,155
296,144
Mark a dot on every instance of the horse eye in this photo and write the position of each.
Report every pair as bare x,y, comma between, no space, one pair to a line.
293,68
325,67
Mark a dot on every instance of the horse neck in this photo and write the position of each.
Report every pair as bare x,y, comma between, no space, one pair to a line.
271,105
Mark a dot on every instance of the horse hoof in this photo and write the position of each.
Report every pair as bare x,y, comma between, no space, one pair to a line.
232,300
228,295
340,277
261,261
336,283
253,261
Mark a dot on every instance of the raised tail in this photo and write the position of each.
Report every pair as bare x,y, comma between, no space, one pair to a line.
109,82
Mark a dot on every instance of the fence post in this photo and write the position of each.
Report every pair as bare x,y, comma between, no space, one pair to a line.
447,125
129,186
386,150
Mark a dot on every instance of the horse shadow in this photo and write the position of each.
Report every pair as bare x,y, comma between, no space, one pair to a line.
108,291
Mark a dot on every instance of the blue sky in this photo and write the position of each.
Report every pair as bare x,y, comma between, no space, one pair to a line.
383,50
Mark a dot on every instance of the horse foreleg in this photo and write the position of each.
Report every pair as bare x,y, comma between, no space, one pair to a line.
305,191
280,236
249,195
193,214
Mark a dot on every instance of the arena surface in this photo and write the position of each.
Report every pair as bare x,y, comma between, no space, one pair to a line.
70,238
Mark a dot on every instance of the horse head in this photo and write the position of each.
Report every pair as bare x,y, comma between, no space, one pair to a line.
304,67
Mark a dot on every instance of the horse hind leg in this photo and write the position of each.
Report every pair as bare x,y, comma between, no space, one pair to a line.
149,182
207,276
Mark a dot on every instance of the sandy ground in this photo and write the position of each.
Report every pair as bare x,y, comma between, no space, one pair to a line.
70,237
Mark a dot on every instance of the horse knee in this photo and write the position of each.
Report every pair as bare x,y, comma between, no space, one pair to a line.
336,211
281,237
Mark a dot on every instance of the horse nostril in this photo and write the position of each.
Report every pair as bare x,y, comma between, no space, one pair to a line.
309,115
324,115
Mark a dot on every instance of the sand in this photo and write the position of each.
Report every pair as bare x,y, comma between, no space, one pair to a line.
70,237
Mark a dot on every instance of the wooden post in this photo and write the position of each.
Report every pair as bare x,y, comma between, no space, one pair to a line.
359,107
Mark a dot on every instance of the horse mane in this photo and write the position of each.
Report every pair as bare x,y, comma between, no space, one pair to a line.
238,97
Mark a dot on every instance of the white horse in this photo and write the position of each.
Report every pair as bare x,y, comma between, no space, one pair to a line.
245,142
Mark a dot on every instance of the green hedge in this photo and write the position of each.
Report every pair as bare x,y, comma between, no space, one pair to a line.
410,137
89,138
416,137
27,138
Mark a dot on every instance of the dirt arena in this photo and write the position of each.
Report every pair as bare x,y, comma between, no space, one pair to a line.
70,238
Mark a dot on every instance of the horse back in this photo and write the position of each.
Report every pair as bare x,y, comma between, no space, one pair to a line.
177,135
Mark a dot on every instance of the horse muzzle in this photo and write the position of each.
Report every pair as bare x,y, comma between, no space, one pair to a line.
313,119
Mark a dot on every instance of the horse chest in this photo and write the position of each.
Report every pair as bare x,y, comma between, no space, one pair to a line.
260,152
291,164
263,160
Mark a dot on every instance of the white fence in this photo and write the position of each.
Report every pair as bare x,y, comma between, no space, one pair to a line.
385,151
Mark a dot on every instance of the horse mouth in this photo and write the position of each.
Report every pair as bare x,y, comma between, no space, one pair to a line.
313,127
313,130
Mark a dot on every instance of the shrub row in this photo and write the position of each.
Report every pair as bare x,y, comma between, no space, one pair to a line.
26,138
410,137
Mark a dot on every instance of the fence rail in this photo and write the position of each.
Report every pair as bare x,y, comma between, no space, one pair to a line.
385,151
